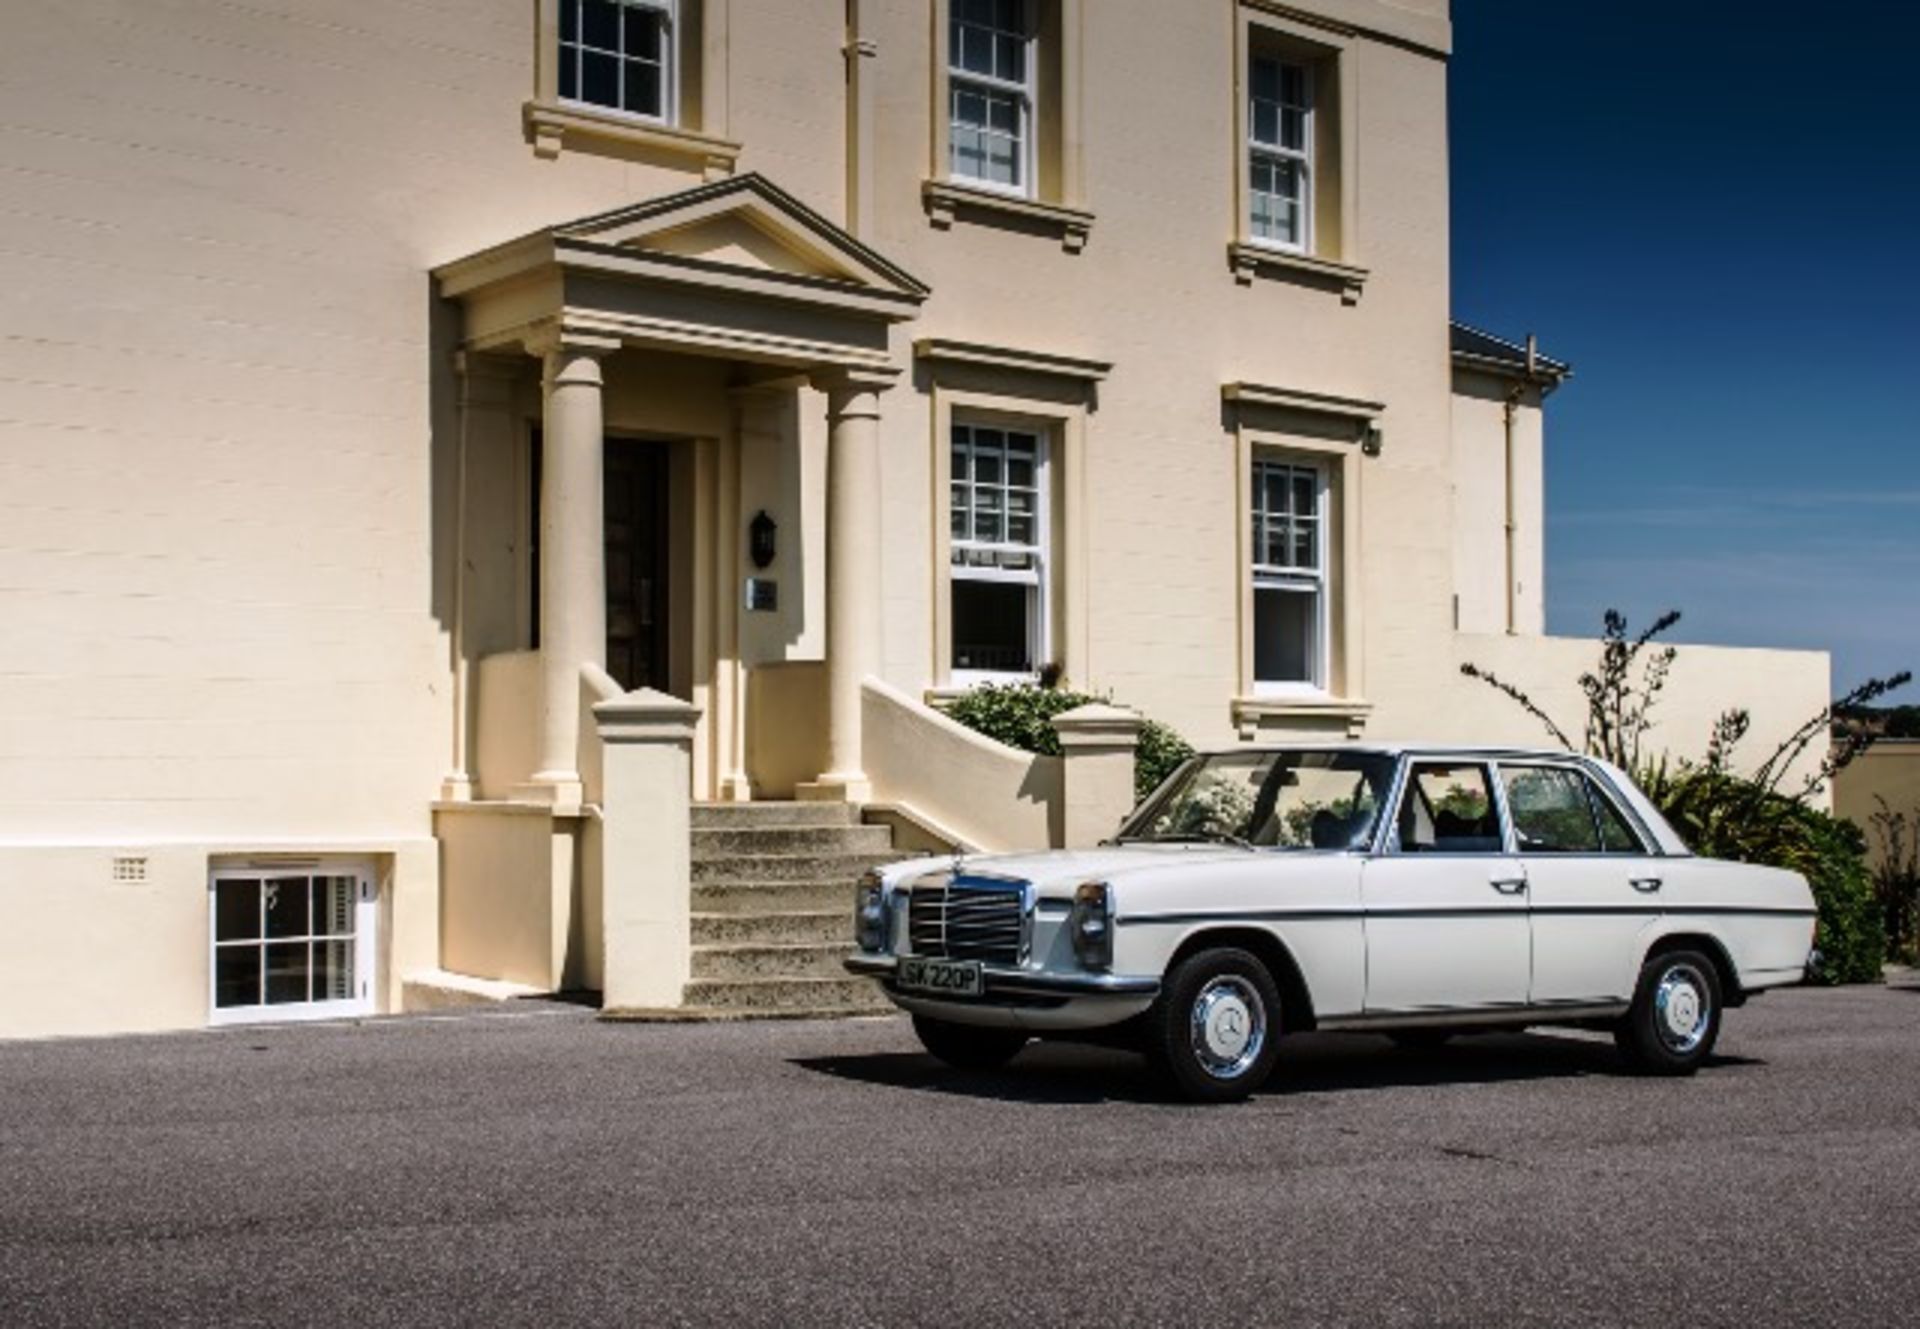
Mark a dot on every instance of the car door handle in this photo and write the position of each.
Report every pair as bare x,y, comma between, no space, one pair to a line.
1509,885
1646,885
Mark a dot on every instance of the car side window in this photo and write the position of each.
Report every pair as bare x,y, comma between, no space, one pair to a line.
1448,808
1616,835
1551,810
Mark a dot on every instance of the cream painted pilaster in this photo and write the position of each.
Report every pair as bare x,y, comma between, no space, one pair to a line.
853,572
573,589
487,386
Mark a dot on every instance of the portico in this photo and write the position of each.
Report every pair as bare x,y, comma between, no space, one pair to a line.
701,316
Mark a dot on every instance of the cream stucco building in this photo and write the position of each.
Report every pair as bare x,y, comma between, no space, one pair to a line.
438,441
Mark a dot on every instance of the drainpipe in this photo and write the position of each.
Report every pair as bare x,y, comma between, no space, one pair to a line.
859,52
1509,413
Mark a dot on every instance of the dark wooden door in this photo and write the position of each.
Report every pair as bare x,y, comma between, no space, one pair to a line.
636,514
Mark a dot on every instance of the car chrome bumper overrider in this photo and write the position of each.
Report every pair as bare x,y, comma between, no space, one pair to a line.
1001,981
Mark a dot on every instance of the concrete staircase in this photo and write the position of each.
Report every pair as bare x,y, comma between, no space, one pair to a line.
773,910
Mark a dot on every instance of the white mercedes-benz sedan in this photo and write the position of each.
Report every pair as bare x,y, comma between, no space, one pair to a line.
1416,891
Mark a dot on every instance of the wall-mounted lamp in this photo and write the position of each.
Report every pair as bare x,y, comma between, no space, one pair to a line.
761,545
1370,440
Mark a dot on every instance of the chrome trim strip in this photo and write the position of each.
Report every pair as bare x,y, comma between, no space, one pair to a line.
999,979
1519,1013
1467,911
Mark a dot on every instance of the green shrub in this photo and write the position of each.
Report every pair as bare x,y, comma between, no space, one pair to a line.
1020,715
1724,816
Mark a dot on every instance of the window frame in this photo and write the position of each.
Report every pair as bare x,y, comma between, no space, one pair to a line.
1025,93
1290,579
1600,793
1302,158
1405,785
669,12
1038,580
366,922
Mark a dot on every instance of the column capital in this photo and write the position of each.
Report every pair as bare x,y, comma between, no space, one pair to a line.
846,380
553,339
486,381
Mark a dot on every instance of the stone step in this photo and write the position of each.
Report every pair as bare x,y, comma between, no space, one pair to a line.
714,842
789,867
775,897
782,994
715,816
782,960
775,927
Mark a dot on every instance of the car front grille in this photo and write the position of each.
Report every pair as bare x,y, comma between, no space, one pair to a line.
968,918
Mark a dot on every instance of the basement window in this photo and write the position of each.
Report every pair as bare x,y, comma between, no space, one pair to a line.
291,944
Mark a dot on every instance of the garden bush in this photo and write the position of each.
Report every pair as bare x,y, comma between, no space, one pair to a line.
1723,816
1021,715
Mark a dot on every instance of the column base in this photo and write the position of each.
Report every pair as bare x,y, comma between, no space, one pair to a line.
735,789
561,789
456,788
835,788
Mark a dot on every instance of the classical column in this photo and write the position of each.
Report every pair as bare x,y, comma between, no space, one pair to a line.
853,573
573,582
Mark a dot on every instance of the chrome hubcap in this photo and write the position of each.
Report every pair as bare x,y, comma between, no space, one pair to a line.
1682,1008
1229,1026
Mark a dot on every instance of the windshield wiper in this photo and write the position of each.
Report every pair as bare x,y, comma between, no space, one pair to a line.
1192,837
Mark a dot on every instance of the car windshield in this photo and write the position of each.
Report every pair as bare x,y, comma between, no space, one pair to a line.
1292,799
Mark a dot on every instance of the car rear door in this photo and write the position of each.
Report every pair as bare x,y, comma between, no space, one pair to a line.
1445,903
1592,884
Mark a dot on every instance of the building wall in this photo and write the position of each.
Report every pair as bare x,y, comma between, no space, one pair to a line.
228,424
1883,779
1482,476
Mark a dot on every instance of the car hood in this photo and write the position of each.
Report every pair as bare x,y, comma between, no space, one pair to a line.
1056,872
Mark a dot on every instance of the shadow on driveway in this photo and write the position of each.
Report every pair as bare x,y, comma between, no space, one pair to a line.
1069,1073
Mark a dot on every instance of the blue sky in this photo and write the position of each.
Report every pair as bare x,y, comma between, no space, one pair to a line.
1713,211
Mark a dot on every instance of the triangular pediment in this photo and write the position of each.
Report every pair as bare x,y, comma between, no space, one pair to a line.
745,224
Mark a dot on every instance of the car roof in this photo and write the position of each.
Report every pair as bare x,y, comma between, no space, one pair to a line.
1396,748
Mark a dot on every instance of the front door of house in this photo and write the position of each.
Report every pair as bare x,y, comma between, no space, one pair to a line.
636,535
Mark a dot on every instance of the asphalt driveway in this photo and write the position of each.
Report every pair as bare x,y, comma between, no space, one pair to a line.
537,1166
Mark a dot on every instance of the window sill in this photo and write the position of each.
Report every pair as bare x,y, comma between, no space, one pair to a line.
946,200
1251,260
552,126
1298,712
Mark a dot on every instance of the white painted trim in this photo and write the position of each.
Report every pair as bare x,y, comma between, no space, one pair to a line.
366,950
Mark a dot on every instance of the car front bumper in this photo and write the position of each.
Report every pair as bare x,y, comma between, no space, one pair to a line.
1020,998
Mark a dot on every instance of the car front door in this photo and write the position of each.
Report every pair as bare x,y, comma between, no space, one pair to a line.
1592,885
1446,904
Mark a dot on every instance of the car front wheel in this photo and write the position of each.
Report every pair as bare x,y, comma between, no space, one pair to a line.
1214,1028
1675,1018
968,1047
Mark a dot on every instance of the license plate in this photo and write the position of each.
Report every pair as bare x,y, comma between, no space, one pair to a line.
948,978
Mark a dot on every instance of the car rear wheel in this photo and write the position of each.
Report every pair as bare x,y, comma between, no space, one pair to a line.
968,1047
1675,1018
1213,1030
